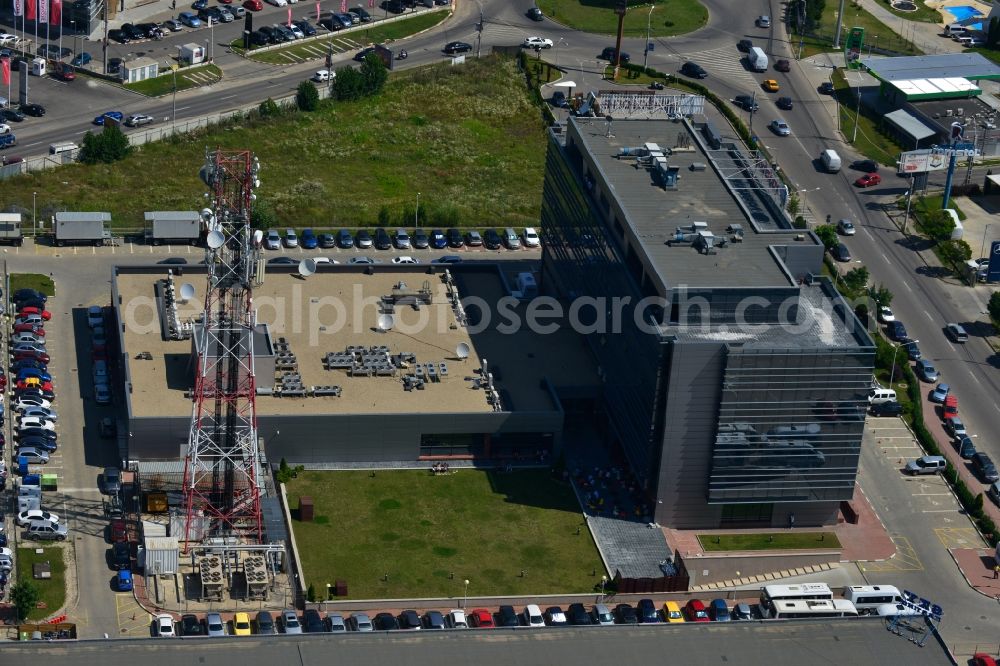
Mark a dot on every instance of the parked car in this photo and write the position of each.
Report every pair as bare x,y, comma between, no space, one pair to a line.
896,331
272,240
420,240
926,465
359,622
438,240
672,612
163,625
625,614
25,517
382,239
120,556
433,620
841,253
309,240
189,19
984,468
718,610
646,610
491,239
265,623
473,239
291,240
401,239
890,408
214,625
110,482
507,617
694,611
455,238
965,446
926,371
481,619
601,615
386,622
455,619
312,622
409,620
555,617
290,622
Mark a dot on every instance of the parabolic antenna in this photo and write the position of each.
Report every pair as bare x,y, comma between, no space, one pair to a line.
386,322
187,291
258,237
206,214
307,267
215,239
462,350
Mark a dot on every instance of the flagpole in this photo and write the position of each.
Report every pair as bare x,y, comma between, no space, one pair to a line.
48,25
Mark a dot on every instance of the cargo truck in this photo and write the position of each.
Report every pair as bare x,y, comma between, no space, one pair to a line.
757,59
82,229
10,228
173,226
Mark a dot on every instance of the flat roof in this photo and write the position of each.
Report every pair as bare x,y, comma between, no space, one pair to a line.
942,66
952,86
909,124
337,308
75,216
183,215
943,112
701,196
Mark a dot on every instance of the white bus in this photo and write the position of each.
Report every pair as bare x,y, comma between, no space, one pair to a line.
802,591
810,608
867,598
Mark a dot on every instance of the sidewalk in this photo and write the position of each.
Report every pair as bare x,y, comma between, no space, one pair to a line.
977,565
925,36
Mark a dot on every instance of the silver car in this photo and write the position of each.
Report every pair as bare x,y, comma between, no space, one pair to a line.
290,622
359,622
215,625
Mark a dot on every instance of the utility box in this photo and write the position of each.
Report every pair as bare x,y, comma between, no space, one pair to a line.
306,509
191,54
38,66
10,228
82,228
173,226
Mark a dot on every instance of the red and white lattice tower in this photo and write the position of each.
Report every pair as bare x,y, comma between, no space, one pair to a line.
222,475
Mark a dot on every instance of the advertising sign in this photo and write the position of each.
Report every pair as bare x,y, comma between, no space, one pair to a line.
922,606
919,161
993,270
852,47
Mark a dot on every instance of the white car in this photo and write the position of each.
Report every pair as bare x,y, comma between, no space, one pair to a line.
297,31
325,260
456,620
537,43
37,422
404,260
780,127
7,39
885,314
164,623
39,412
5,128
138,120
95,316
278,3
28,401
102,394
531,238
26,517
533,616
321,76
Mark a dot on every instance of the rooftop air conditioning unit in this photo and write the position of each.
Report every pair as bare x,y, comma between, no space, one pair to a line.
948,113
960,111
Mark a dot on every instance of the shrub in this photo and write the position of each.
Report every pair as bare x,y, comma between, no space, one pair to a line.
108,146
994,308
349,84
828,234
373,74
307,97
269,108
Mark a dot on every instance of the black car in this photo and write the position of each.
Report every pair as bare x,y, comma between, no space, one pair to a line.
258,38
646,610
265,623
578,615
306,27
554,617
507,617
269,34
312,622
30,303
452,48
491,239
559,99
27,363
782,66
965,446
13,115
29,294
174,261
625,614
896,331
746,102
150,30
363,53
744,45
784,103
35,110
213,13
865,166
535,14
362,14
344,239
133,31
327,241
455,238
394,6
409,619
912,350
984,467
279,261
840,252
385,622
191,626
121,557
420,240
41,443
34,432
609,53
890,408
119,36
827,88
694,70
382,239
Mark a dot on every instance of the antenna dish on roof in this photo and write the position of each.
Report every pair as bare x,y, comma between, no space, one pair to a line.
258,237
187,291
215,240
307,267
462,350
386,322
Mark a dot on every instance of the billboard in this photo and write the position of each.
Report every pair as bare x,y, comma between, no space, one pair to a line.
993,270
919,161
852,47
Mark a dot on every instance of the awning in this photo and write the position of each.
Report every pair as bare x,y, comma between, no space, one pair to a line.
909,124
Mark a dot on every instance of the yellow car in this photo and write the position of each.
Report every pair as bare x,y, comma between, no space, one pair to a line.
241,624
672,612
770,85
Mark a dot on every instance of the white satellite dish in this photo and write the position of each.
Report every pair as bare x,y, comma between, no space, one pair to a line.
258,237
206,214
307,267
462,350
386,322
187,291
215,240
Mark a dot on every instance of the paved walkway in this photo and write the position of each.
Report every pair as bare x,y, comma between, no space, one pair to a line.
977,565
925,36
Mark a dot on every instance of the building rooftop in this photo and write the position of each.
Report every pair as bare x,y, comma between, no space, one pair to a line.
701,196
337,308
943,112
970,66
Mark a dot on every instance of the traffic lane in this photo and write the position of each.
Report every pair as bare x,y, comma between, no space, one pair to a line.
924,519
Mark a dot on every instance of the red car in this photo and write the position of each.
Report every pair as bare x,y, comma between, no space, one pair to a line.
34,383
868,180
782,66
253,5
44,314
695,611
481,618
33,355
983,659
118,531
29,328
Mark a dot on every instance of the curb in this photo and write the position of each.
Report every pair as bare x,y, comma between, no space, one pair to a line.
967,581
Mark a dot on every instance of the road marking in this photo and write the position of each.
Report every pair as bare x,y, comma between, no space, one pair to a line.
939,510
182,108
959,537
905,559
928,315
906,284
930,494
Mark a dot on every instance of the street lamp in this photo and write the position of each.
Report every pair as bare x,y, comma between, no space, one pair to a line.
604,581
909,195
416,213
983,248
892,371
34,219
465,595
857,112
173,112
645,52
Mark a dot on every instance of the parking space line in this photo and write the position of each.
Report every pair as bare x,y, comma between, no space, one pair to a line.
959,537
905,559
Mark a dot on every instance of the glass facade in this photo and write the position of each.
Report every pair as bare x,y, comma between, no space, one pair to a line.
790,425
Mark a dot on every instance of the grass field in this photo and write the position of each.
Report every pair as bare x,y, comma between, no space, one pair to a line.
868,140
477,157
430,533
187,77
52,591
771,541
877,34
669,18
923,14
308,51
36,281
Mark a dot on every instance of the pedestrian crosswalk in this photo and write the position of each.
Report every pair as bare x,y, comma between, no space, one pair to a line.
724,62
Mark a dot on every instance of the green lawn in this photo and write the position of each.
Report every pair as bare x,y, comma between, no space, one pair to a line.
877,34
36,281
669,18
430,533
790,540
923,14
52,591
302,52
340,165
187,77
868,140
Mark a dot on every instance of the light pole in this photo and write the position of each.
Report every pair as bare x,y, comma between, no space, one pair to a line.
909,195
34,219
604,581
983,248
416,213
892,371
645,51
857,111
173,112
465,595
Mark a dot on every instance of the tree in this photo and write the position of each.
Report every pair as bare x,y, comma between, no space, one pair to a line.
269,108
856,279
348,84
311,593
110,145
374,74
262,215
993,33
994,307
307,97
794,205
24,595
384,216
954,252
828,234
881,295
937,224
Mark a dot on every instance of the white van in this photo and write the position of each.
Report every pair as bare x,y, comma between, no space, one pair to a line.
64,147
867,598
955,29
830,160
879,395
